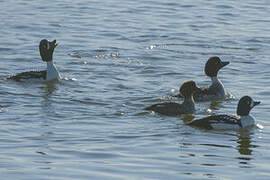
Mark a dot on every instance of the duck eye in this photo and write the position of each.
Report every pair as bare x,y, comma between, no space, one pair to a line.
248,102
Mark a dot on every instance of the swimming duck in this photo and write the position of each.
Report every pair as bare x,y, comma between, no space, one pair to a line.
173,108
242,120
216,89
46,49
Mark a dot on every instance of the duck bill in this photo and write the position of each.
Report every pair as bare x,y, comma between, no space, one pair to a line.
255,103
197,89
53,44
224,63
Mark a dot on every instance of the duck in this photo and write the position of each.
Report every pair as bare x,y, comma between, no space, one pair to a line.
46,49
174,108
216,90
243,119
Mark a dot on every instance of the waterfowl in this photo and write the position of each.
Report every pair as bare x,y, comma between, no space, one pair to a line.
46,49
216,89
242,120
173,108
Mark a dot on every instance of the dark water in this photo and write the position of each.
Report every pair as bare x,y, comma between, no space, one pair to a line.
117,57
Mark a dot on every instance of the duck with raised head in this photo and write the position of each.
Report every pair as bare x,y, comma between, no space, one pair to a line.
216,89
173,108
46,49
242,120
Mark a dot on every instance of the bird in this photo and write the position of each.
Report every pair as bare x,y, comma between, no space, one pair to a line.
46,49
228,121
216,90
174,108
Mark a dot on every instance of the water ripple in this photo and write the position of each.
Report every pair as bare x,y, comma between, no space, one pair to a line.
116,57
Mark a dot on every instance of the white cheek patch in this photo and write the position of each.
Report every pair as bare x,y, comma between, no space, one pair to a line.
48,45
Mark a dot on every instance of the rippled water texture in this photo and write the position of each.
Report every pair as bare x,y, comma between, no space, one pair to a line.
117,57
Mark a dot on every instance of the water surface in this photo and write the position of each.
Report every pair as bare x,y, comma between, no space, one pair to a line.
116,58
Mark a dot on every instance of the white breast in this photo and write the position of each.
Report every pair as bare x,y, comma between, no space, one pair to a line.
218,84
52,72
247,121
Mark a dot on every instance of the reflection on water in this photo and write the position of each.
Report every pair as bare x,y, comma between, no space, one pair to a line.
216,105
94,126
49,88
244,140
48,104
215,149
245,148
188,117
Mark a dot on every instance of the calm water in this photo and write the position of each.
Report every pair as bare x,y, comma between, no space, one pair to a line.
117,57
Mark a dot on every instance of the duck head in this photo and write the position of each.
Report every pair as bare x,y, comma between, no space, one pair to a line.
46,49
188,88
245,104
213,65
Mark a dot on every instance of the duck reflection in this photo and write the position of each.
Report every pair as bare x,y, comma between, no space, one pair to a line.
187,118
216,105
245,143
49,88
245,148
47,102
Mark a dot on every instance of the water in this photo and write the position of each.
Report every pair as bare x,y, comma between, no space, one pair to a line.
117,57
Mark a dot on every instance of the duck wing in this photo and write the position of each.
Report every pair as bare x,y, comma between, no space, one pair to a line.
210,121
205,93
166,108
29,75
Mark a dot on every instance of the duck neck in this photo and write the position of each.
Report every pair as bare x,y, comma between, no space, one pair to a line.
52,72
216,83
189,102
247,121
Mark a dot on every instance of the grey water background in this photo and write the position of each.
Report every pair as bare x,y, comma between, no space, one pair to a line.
117,57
